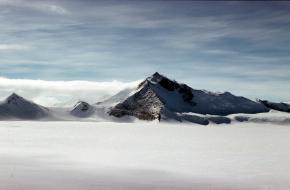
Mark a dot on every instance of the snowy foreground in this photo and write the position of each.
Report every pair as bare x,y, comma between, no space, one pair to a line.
135,156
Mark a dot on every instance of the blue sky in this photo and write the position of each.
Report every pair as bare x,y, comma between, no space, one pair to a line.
242,47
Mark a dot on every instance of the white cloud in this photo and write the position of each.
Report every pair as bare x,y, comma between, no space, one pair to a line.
13,47
37,6
61,93
49,7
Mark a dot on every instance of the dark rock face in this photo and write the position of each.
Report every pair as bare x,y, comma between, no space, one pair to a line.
168,84
172,85
85,106
219,120
182,89
186,93
242,118
195,119
13,99
144,105
276,106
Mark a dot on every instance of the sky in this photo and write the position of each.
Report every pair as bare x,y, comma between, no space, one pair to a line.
241,47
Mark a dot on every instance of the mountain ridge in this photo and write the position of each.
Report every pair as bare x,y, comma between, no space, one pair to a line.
155,98
157,95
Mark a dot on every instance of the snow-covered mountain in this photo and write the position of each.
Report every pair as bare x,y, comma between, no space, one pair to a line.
158,97
16,107
276,106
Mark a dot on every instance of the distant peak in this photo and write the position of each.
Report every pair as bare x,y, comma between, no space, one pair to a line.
14,95
156,74
13,98
156,77
81,102
84,106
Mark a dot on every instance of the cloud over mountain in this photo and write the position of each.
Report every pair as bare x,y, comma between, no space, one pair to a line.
56,93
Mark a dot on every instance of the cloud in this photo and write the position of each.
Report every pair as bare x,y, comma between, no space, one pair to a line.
36,6
247,42
45,7
13,47
61,93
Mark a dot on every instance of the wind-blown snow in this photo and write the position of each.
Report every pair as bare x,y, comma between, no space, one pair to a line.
61,93
143,156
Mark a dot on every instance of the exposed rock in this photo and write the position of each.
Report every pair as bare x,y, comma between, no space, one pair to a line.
82,109
276,106
144,104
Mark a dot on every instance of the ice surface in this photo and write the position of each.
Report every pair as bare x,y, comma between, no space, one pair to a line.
145,156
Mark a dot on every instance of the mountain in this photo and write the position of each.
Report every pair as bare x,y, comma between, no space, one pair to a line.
158,97
16,107
276,106
82,109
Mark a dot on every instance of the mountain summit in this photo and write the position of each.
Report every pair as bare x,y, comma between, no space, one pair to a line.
160,97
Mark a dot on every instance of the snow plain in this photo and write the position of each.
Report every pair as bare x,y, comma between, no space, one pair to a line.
142,156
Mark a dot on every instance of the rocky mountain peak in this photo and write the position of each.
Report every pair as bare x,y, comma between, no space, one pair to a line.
158,95
14,99
82,109
83,106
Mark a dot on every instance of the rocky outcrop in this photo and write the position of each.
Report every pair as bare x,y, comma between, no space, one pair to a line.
82,109
276,106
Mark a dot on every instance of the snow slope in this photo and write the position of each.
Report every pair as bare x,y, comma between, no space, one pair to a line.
117,98
158,96
143,156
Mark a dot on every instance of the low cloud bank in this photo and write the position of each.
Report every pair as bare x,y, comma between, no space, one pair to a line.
61,93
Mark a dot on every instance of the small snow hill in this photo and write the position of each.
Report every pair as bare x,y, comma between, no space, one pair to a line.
16,107
158,97
82,109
